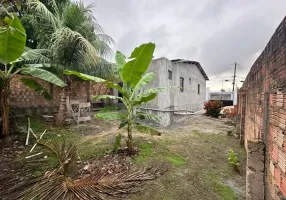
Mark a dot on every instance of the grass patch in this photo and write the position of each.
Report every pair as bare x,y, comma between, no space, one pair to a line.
224,191
89,149
196,132
176,159
86,148
146,151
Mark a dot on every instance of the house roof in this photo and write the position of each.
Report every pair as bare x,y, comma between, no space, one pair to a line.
192,62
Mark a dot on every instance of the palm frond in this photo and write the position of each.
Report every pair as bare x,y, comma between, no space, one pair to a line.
73,45
38,8
54,7
102,183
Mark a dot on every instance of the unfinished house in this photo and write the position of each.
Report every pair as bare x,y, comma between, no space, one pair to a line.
174,104
262,121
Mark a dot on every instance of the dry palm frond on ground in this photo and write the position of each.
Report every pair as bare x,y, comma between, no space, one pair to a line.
102,183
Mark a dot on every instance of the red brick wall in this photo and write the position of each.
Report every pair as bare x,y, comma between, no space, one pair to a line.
24,98
263,97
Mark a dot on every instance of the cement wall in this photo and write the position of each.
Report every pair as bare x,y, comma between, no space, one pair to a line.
190,94
167,117
164,99
174,98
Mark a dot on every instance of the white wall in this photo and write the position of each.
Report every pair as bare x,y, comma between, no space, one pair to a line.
190,94
174,97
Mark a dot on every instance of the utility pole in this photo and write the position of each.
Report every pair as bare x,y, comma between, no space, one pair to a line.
234,75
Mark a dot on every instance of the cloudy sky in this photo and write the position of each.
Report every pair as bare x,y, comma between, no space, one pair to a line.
217,33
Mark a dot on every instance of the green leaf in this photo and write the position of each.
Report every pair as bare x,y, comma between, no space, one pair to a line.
107,97
31,83
149,94
87,77
144,98
112,115
34,55
37,65
120,61
141,57
43,74
117,142
123,124
144,115
147,129
12,39
147,78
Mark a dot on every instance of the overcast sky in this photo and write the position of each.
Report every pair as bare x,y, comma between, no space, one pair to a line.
216,33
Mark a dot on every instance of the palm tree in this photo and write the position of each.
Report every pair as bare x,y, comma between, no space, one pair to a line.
73,36
69,30
15,60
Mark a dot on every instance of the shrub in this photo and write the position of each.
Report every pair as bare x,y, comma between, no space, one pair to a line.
213,108
233,160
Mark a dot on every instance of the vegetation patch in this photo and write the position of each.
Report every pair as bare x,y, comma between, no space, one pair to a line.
176,159
145,152
224,191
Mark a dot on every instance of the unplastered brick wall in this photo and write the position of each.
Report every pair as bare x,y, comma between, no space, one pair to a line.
262,114
23,99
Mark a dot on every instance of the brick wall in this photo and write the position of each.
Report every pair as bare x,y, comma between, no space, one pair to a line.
262,114
25,100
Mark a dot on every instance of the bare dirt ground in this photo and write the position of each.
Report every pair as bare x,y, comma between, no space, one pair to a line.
202,144
196,151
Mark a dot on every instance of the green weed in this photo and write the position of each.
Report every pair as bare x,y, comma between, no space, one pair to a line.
176,159
145,152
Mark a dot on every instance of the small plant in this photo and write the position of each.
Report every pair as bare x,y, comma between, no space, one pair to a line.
117,142
213,108
229,132
132,74
233,160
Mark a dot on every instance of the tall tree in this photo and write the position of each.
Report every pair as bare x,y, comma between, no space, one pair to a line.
69,30
73,36
12,46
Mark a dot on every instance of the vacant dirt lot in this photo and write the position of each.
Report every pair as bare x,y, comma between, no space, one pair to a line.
196,151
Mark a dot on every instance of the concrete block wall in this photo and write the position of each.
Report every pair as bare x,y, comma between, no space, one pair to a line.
262,119
26,101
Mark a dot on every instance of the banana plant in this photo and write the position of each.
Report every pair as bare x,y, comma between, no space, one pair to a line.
16,60
132,73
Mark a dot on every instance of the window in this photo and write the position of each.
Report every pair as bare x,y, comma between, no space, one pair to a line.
190,81
182,84
199,88
170,74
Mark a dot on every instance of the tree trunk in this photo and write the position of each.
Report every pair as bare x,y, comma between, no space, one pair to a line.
62,108
129,130
129,139
6,109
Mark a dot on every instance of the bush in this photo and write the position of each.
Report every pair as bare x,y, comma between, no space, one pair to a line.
233,160
213,108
